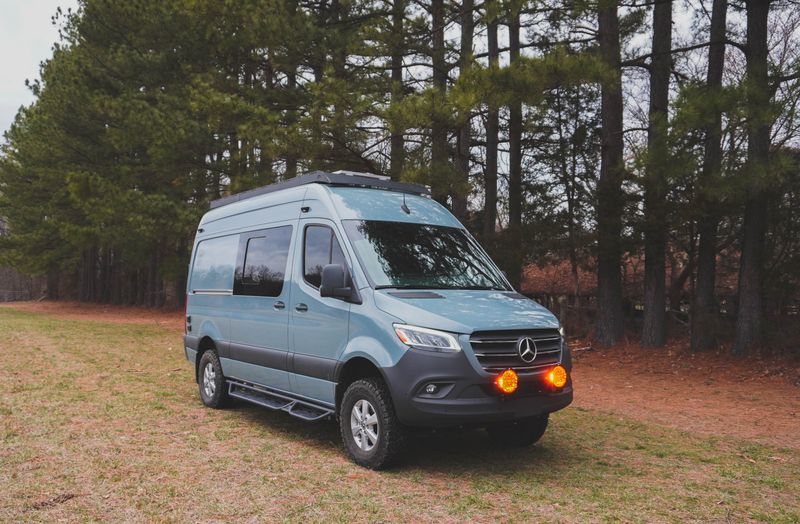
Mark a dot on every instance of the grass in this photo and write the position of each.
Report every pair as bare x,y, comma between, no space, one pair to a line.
103,422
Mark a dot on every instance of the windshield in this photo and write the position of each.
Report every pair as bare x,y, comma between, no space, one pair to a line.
420,256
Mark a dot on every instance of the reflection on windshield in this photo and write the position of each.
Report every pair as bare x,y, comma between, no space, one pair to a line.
420,256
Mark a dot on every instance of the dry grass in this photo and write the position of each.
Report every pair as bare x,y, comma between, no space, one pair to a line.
102,421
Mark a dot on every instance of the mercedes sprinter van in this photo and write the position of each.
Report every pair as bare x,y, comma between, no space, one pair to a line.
354,297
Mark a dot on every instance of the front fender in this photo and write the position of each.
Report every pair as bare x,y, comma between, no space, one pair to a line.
371,349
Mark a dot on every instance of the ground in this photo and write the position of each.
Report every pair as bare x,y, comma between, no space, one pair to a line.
101,421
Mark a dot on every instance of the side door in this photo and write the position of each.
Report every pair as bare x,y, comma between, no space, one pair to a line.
259,324
318,326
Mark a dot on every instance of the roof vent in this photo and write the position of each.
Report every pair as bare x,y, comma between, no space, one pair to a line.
368,175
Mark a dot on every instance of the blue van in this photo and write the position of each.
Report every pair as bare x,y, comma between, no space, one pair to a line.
355,297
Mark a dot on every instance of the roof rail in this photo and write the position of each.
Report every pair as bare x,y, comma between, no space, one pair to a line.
339,178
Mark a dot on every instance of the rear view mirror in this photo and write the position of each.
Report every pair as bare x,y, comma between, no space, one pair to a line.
336,283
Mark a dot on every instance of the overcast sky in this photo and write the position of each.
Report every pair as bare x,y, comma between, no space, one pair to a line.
26,38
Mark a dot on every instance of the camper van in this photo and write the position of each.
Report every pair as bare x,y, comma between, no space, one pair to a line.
356,298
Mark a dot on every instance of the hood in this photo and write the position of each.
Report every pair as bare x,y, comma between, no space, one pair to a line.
465,311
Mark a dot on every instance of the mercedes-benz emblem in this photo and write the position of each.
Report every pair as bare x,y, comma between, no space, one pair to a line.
526,347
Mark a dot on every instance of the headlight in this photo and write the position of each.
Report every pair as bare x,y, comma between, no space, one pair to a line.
428,339
562,332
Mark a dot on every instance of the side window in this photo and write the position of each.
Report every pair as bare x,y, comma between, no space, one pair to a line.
213,264
262,262
320,249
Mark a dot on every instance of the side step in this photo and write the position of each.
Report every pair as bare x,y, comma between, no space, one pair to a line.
277,401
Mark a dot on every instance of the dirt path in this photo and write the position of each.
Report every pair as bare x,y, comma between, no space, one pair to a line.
754,399
708,394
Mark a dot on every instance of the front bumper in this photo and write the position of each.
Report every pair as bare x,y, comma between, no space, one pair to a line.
465,396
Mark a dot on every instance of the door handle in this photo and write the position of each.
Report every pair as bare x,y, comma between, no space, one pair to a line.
279,305
301,308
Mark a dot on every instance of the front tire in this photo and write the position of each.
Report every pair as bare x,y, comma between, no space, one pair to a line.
371,432
519,433
213,391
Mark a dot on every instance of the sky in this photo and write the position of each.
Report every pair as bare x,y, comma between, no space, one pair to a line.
27,36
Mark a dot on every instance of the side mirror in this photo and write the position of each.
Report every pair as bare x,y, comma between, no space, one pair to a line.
336,283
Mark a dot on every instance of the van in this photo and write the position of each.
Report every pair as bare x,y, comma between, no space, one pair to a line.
360,299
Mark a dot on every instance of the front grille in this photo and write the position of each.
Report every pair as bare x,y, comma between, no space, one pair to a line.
497,350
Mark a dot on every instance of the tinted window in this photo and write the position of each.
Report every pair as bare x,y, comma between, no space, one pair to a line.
321,248
263,266
406,255
213,264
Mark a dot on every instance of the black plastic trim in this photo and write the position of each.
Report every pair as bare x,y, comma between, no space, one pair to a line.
470,398
313,366
191,342
415,294
266,357
307,365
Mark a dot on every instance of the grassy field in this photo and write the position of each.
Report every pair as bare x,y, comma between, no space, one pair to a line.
102,422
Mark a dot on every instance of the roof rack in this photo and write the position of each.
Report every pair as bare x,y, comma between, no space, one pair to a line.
339,178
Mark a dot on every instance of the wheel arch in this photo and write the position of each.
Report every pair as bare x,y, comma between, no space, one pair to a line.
355,368
205,344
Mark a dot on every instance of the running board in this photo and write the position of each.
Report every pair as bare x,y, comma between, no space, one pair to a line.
277,401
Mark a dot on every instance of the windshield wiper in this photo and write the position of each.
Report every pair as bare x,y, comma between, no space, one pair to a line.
422,286
409,286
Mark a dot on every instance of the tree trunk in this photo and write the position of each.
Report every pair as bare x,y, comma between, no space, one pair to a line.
53,279
515,164
234,162
439,168
291,158
492,132
460,192
610,202
568,174
338,60
749,318
654,326
141,287
704,309
397,140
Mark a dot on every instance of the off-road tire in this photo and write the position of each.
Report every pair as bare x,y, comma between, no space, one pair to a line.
219,397
518,433
391,433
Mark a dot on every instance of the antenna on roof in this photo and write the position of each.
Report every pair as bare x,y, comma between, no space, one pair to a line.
404,207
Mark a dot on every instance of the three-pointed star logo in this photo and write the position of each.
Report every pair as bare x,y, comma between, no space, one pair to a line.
526,347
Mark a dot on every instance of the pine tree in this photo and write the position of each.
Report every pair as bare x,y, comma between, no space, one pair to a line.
656,178
704,306
610,201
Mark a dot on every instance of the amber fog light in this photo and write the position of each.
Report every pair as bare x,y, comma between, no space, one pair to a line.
557,376
507,381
